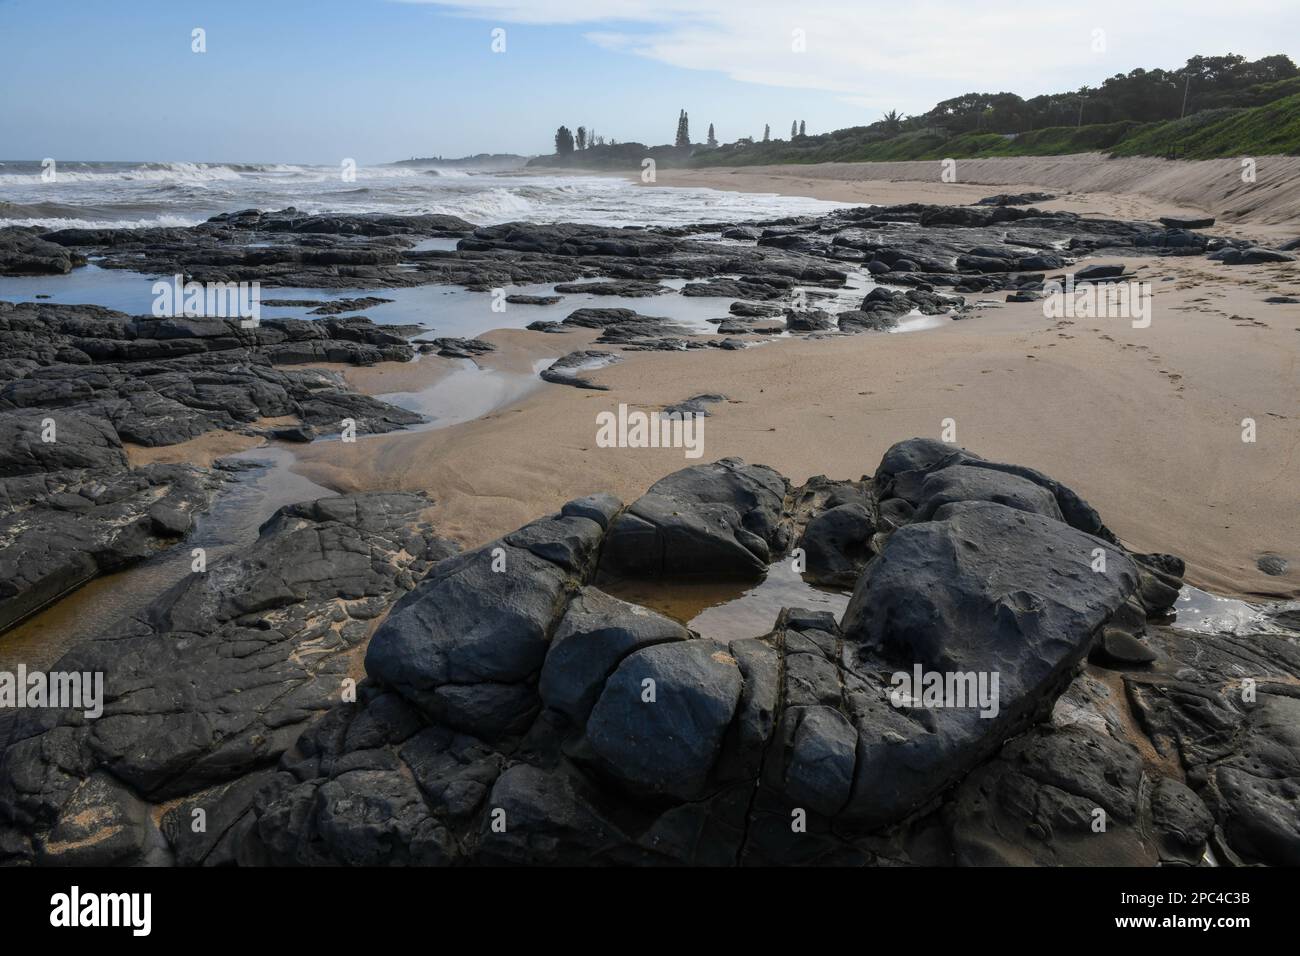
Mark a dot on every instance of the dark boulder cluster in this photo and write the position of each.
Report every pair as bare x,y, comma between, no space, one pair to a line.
514,710
882,308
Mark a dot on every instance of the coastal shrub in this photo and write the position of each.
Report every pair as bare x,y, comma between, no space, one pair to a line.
1262,130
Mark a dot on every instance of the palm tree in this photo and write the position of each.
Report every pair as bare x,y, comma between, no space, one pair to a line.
893,121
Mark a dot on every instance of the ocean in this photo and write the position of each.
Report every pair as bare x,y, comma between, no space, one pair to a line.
133,195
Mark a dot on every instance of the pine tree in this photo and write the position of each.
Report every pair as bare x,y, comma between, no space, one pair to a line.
712,140
582,137
794,130
803,128
767,133
563,141
684,130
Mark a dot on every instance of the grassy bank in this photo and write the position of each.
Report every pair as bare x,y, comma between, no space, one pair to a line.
1270,129
1261,130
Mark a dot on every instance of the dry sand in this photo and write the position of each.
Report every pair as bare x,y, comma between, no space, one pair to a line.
1145,423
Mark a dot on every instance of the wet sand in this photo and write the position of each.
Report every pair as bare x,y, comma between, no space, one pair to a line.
1146,423
202,451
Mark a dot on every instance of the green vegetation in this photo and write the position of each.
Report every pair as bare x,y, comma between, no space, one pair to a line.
1229,106
926,144
1259,131
1253,131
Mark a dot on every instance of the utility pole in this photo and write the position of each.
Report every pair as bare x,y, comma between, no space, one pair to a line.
1080,126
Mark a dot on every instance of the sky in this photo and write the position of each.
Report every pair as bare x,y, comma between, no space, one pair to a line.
377,80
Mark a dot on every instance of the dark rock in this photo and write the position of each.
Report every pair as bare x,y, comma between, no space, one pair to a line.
967,483
696,405
102,824
595,635
294,433
600,508
224,672
754,310
462,348
567,369
837,544
1118,648
22,254
1046,605
858,321
722,520
1098,273
337,306
1272,564
627,289
466,645
1254,255
811,320
665,736
1017,199
550,818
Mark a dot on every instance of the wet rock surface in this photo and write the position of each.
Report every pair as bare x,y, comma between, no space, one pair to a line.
993,245
218,678
80,383
72,509
514,711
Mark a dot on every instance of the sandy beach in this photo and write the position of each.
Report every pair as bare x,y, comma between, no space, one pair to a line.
1085,183
1147,423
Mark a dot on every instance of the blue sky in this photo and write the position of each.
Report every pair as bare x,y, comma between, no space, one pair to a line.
376,80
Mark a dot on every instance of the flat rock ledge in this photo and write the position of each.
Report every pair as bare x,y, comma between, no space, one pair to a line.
512,710
80,384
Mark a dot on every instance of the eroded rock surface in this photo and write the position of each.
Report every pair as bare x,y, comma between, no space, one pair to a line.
514,711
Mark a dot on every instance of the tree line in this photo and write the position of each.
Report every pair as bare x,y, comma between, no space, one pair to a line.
566,141
1141,96
1144,96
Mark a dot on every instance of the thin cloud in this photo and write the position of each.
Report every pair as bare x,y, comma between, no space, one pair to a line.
870,52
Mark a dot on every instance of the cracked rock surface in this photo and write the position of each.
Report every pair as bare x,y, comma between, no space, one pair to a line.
515,711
